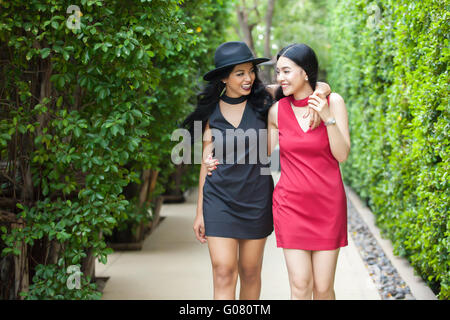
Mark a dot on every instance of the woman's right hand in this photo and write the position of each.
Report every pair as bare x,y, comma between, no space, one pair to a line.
211,164
199,228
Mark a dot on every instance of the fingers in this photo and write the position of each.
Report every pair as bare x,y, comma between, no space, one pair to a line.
312,118
314,121
313,97
317,120
318,104
317,100
211,168
319,93
202,234
211,161
308,111
199,231
314,102
315,108
211,164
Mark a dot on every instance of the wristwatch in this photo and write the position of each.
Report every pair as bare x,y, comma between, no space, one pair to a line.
330,121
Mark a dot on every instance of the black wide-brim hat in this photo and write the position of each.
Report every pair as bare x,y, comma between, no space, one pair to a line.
229,54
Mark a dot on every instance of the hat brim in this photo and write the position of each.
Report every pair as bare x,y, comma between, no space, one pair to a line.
211,74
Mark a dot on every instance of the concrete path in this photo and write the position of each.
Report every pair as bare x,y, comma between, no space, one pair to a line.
174,265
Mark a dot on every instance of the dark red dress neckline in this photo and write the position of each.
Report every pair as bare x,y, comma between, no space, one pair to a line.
298,103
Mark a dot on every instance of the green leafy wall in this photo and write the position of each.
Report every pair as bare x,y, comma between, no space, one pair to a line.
389,60
82,112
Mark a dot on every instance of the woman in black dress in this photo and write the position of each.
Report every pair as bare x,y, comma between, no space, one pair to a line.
234,209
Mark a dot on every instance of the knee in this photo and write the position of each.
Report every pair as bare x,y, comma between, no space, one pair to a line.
224,275
250,273
323,290
301,287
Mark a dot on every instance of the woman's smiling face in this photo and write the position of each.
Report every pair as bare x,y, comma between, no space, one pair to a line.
240,81
290,76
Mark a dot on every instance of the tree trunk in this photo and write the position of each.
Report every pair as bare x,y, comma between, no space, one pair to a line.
269,16
242,15
246,29
13,269
267,48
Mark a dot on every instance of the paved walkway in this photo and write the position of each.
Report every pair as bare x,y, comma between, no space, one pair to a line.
174,265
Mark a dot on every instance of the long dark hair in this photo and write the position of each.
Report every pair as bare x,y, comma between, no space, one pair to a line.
303,56
259,98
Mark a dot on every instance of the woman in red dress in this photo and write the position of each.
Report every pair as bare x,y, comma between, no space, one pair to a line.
309,202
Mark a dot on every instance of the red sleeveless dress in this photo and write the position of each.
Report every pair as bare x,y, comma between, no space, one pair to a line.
309,202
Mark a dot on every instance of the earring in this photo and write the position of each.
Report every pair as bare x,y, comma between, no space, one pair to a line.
222,91
306,78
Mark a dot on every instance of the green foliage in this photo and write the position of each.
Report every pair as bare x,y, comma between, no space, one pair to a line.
84,111
392,67
50,284
304,22
181,74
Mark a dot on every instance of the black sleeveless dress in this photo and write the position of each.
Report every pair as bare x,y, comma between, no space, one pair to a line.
237,197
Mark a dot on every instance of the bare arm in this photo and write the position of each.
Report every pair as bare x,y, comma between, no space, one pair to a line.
199,225
272,128
338,133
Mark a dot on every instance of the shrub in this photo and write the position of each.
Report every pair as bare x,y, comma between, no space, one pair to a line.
78,105
390,63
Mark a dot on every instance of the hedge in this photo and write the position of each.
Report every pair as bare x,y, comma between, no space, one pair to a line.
390,62
78,106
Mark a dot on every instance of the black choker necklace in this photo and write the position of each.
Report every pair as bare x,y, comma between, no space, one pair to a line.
229,100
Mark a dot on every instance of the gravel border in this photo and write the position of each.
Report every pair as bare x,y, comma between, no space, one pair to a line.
387,280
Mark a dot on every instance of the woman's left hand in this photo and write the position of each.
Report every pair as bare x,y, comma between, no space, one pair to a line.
314,121
318,102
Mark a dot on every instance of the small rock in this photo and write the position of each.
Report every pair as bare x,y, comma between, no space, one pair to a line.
383,273
390,283
399,296
391,290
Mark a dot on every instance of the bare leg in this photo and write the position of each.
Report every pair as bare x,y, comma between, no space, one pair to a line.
299,265
324,269
250,263
224,260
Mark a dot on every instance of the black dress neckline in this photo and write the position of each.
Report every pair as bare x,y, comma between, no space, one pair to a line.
242,117
230,100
